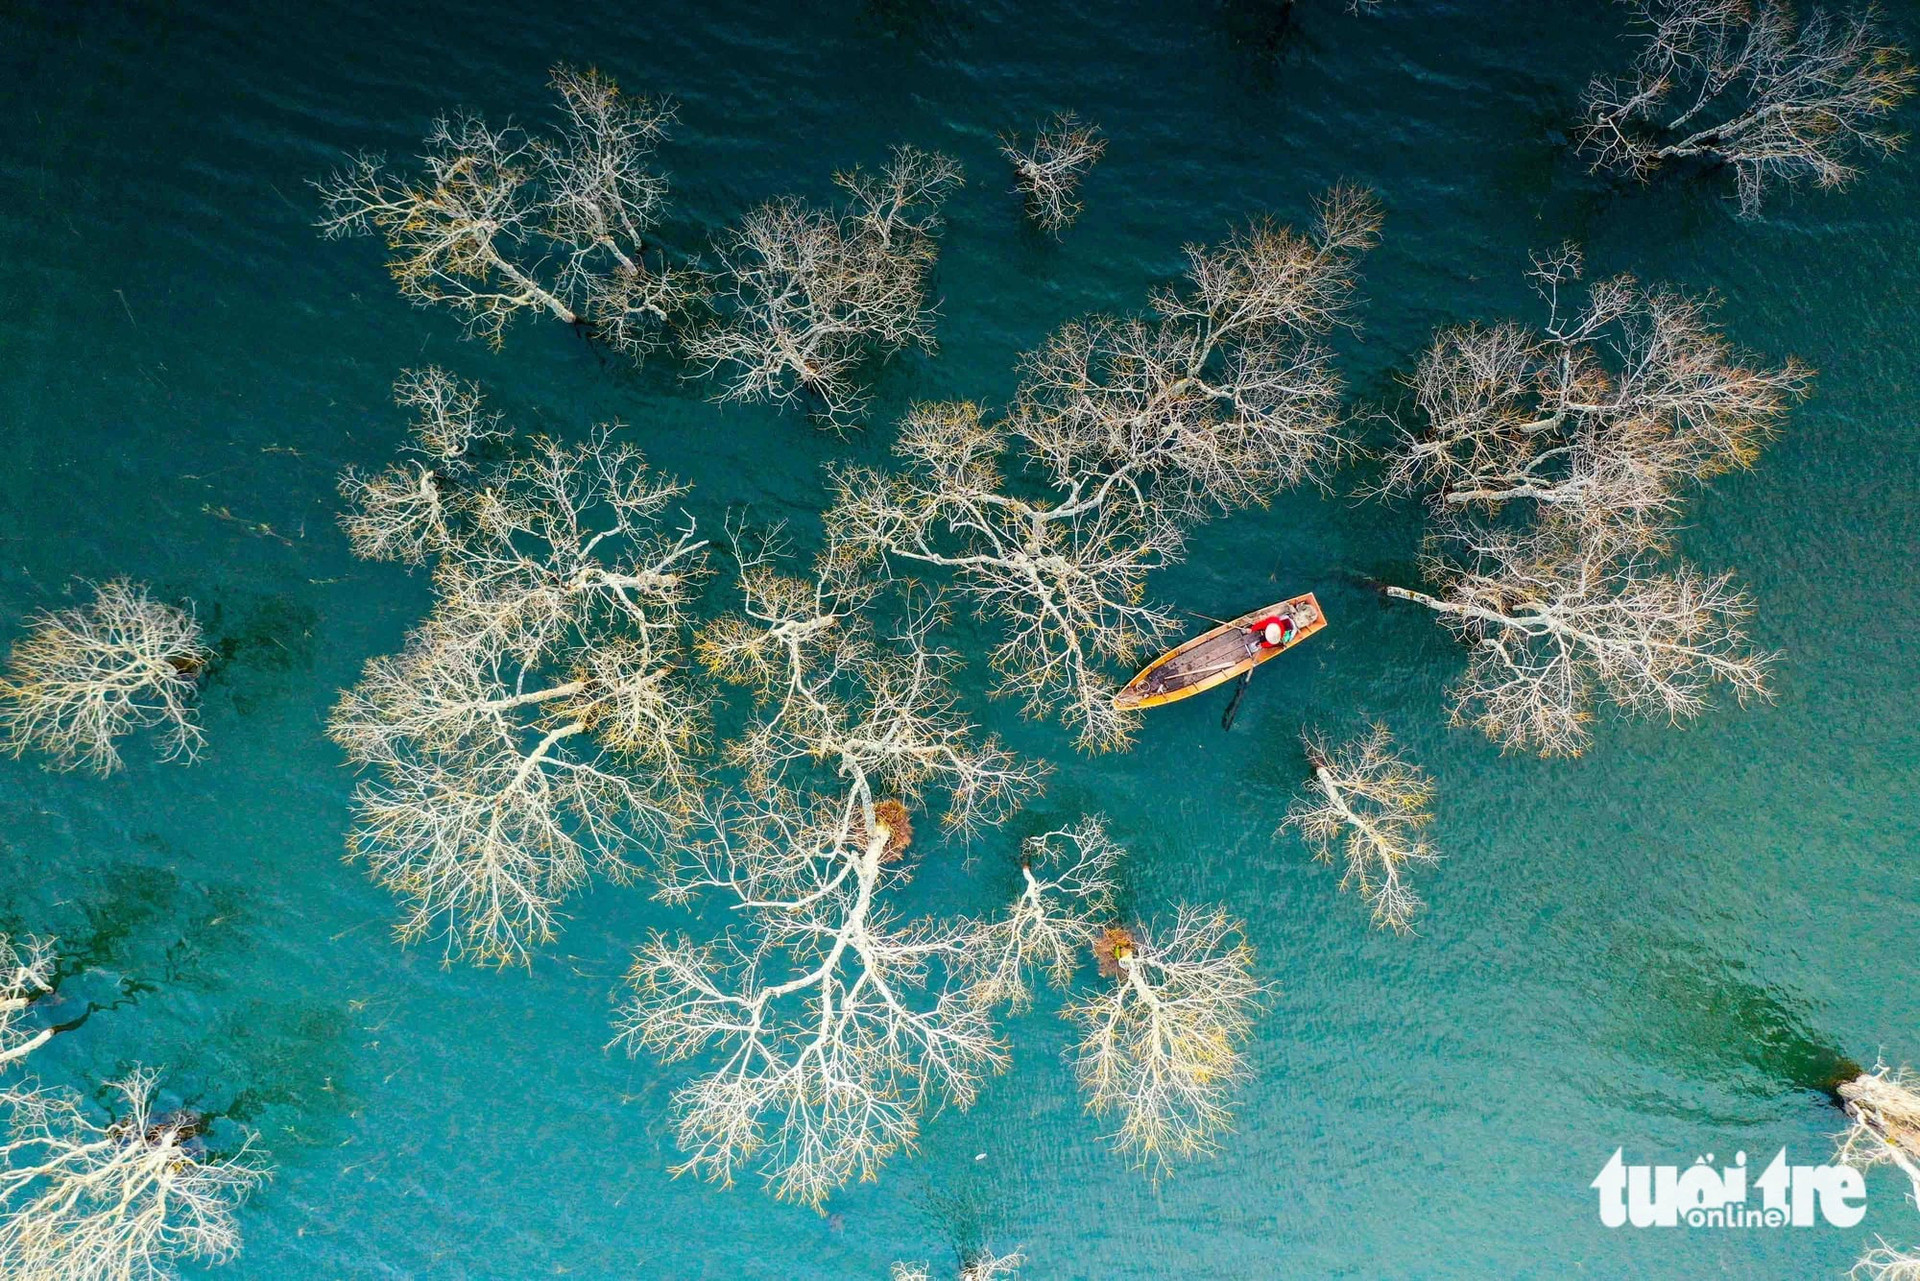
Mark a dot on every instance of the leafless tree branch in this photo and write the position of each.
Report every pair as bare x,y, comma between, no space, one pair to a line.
1749,85
1370,801
1598,419
119,1201
81,678
539,722
1049,171
1161,1045
1553,622
499,221
26,975
806,297
832,1020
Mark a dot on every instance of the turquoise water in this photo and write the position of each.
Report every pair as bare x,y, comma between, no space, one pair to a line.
1654,947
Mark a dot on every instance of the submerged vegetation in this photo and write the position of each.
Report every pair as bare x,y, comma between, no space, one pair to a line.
500,221
804,297
980,1265
1747,84
82,678
780,758
1593,428
1048,171
1127,433
539,723
122,1197
1370,802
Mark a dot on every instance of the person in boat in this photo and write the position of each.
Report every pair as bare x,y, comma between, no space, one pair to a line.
1273,632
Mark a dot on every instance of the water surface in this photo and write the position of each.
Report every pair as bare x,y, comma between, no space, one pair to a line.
1644,948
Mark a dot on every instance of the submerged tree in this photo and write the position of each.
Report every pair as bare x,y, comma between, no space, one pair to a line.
83,1200
500,220
1137,429
1884,1107
1746,84
807,296
1161,1045
1597,419
538,723
1883,1262
81,678
832,1018
1049,171
1066,891
979,1265
413,508
1372,802
1554,622
26,975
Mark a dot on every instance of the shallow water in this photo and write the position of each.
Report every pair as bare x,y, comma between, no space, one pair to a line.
1648,947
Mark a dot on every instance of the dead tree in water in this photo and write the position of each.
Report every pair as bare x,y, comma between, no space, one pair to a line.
1598,419
128,1198
1747,84
500,221
26,975
1136,429
1883,1262
1372,802
539,721
82,678
1884,1108
1049,172
411,509
807,296
1554,622
1161,1043
1066,892
831,1019
980,1265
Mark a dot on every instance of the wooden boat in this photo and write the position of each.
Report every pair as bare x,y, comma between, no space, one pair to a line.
1219,656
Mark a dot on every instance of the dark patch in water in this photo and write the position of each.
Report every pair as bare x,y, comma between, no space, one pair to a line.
1702,1015
263,644
281,1068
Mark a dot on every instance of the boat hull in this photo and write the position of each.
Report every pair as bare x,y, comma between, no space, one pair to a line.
1218,656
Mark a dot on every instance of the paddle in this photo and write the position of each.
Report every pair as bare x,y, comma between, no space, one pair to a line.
1233,706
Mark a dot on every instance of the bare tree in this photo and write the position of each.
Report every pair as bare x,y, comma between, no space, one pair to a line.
498,791
1137,428
26,975
831,1019
81,678
980,1265
1884,1108
1746,84
1554,621
1066,582
410,509
807,296
1229,394
1883,1262
539,722
1599,418
1372,802
1067,887
500,220
1161,1045
85,1201
1049,172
